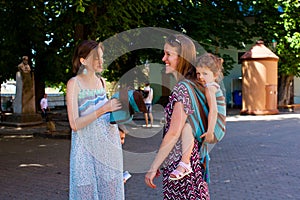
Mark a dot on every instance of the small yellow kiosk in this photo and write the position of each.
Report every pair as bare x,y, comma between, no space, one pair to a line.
259,81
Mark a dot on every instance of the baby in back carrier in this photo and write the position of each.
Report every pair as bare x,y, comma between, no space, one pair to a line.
209,73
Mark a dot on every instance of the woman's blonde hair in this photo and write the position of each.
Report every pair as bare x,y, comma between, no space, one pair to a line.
187,55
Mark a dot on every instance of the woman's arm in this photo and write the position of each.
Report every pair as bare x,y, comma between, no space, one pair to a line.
77,122
178,120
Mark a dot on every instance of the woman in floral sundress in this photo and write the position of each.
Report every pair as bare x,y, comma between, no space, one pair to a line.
179,57
96,164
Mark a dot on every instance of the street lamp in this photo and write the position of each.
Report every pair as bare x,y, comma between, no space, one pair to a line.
274,43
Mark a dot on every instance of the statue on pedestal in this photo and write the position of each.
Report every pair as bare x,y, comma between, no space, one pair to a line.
25,91
24,108
24,66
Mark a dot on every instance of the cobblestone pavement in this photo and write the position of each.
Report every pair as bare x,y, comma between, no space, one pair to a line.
257,159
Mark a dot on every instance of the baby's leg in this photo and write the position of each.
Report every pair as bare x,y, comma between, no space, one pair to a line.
187,139
184,166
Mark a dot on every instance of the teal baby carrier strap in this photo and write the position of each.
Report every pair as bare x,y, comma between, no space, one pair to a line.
220,127
197,99
200,114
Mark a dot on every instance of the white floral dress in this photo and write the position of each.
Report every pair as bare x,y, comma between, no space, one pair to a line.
96,163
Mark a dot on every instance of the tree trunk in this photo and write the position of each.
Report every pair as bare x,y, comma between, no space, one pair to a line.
285,90
39,92
39,84
0,99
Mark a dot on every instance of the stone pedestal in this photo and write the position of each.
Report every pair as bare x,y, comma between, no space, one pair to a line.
24,104
19,120
25,93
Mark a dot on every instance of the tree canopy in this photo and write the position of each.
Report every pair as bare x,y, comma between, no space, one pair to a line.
48,31
278,23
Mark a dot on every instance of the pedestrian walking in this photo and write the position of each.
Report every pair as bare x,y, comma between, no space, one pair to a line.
148,91
44,107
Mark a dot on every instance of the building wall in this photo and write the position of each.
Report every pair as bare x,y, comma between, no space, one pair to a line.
232,81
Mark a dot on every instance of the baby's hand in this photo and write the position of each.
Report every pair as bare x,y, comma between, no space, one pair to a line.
209,137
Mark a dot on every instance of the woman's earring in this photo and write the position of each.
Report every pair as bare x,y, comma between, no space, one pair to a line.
84,71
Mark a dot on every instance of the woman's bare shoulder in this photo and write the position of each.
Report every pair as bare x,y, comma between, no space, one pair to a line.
72,82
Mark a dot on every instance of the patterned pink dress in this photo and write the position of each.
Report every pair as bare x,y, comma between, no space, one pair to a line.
191,187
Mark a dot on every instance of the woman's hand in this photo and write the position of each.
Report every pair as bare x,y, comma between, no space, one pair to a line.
178,120
112,105
150,176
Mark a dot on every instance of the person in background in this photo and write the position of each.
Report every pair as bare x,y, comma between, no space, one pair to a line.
10,104
96,160
123,131
44,106
148,91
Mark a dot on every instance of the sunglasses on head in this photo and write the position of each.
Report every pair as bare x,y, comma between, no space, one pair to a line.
173,40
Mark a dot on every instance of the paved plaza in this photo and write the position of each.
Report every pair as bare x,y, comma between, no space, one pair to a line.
257,159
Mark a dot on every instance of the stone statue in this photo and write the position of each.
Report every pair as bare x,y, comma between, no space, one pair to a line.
24,109
25,91
24,66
